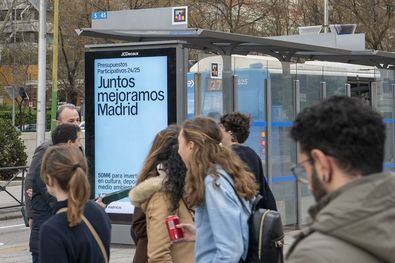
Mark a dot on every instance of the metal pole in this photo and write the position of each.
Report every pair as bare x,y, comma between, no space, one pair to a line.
14,67
227,85
181,83
23,185
235,90
13,103
298,184
326,17
393,126
268,137
198,94
348,90
41,98
323,90
373,94
297,96
54,103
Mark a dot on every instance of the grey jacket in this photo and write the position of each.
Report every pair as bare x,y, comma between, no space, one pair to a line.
356,223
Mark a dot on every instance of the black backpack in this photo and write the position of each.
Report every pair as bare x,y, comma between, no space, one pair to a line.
266,236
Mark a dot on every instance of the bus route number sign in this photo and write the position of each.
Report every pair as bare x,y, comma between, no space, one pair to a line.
99,15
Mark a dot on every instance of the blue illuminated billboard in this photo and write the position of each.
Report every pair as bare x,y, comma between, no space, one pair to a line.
130,96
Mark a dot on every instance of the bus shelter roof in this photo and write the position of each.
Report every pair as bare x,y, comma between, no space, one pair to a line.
369,57
224,43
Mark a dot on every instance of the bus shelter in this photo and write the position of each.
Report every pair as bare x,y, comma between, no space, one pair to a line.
228,75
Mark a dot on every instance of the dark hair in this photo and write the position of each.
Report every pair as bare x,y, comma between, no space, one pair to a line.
346,129
65,132
174,183
164,150
61,108
67,165
209,152
238,124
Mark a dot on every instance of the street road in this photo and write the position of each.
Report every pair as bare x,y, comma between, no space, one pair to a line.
14,244
14,241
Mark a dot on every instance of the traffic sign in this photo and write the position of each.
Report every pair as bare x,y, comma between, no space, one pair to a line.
11,92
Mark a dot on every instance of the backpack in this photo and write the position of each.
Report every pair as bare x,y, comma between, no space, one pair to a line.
266,236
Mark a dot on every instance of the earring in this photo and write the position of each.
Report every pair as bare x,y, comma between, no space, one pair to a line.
325,178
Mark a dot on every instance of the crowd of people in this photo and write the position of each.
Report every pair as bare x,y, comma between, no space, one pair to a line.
201,172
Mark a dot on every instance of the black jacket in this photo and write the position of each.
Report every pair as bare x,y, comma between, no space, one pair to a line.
33,169
59,243
42,201
254,163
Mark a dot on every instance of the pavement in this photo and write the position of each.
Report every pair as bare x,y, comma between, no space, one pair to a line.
19,252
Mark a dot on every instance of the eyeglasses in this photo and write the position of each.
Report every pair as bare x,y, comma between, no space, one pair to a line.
300,172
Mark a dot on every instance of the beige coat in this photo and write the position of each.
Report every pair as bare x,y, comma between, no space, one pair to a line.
155,205
354,224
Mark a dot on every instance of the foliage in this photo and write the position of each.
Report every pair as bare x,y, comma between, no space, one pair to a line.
29,115
12,150
374,18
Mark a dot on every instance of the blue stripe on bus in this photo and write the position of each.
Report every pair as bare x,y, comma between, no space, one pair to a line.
282,124
274,124
389,165
289,123
281,179
258,124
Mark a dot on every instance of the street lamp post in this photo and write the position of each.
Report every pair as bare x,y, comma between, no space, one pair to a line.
41,90
326,17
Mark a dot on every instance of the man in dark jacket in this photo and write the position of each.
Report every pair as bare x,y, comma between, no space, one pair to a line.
235,128
341,153
41,202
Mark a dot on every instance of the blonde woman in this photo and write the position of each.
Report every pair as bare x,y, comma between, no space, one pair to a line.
213,171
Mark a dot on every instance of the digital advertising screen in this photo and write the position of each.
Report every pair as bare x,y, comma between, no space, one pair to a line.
130,96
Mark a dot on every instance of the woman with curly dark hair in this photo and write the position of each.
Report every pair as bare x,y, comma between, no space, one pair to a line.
235,128
159,193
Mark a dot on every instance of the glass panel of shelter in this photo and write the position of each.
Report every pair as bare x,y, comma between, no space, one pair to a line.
250,98
313,88
281,147
204,91
263,84
385,103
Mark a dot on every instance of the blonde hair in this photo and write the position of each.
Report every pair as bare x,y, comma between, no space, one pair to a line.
67,165
209,152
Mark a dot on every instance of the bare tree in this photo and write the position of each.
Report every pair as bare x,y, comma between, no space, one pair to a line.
310,12
236,16
71,46
374,18
9,4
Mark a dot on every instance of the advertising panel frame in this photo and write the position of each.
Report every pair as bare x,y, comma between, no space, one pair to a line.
175,102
